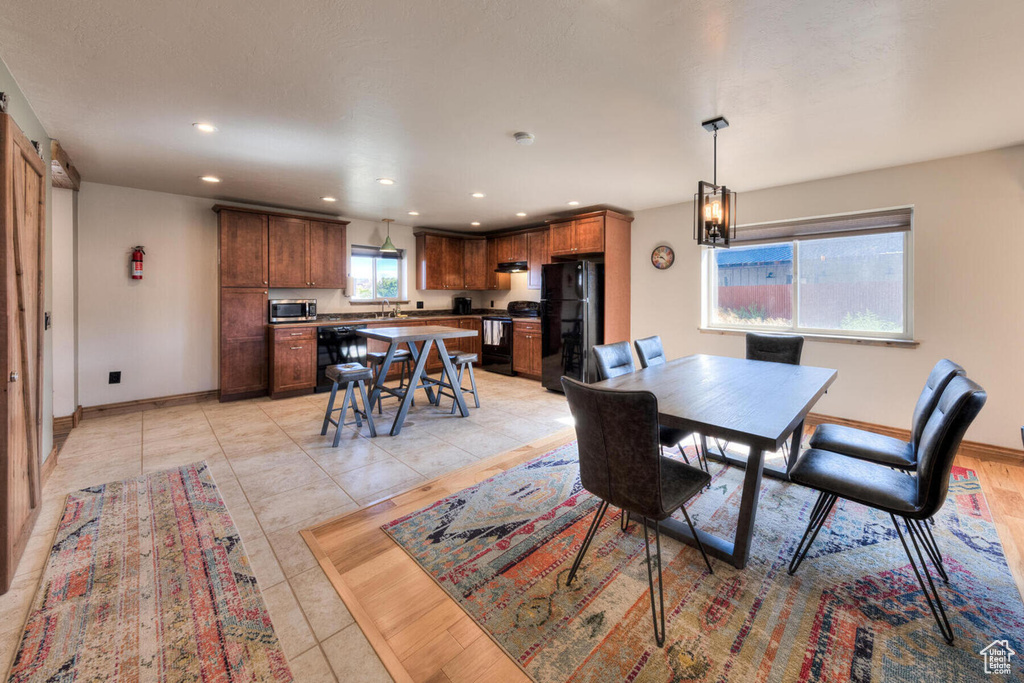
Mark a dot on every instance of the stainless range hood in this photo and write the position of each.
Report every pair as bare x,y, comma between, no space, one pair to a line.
512,267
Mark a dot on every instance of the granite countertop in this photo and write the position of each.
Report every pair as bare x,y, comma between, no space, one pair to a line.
326,319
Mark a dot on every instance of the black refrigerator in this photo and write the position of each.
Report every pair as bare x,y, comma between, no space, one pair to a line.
572,320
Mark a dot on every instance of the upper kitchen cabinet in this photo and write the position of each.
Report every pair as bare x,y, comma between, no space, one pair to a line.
475,260
327,255
584,234
511,248
289,252
440,262
536,256
243,245
306,253
268,249
495,280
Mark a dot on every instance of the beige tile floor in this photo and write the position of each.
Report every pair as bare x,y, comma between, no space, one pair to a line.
278,476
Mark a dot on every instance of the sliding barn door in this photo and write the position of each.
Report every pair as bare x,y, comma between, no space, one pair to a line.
23,184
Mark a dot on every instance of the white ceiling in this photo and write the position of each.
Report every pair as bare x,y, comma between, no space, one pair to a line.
320,97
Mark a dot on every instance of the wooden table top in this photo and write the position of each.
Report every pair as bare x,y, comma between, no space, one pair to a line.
748,401
415,333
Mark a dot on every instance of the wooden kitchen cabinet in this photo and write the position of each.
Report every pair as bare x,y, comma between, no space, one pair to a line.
472,344
439,262
293,361
526,348
537,256
243,244
580,236
306,253
327,255
289,252
511,248
495,280
243,344
475,264
454,263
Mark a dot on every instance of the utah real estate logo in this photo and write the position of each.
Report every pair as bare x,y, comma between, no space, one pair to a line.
997,657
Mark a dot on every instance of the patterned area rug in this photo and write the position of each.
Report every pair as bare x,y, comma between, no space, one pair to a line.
148,580
854,612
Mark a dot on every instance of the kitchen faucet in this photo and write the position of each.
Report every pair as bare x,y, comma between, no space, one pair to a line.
383,308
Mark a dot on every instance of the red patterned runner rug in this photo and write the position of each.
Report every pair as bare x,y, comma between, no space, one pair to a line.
147,580
853,612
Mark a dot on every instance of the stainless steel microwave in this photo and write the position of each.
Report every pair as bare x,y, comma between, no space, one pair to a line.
292,310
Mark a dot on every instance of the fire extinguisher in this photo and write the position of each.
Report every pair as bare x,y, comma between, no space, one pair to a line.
137,255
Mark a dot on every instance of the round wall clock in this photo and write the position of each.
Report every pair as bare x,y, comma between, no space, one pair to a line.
663,257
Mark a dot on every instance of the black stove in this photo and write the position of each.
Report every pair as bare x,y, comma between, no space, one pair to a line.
497,330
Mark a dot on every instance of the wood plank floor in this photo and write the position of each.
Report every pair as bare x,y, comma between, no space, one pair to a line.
421,634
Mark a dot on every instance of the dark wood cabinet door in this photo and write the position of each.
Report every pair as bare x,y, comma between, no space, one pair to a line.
475,262
243,249
590,235
535,352
472,344
454,265
517,247
537,256
520,350
294,364
243,367
562,238
289,252
495,280
243,313
430,261
327,255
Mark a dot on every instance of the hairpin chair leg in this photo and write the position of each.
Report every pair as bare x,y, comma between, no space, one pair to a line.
931,594
682,452
624,520
931,547
819,513
591,532
659,637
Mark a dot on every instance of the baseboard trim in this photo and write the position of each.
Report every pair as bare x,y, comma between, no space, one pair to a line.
63,425
141,404
49,465
975,449
76,416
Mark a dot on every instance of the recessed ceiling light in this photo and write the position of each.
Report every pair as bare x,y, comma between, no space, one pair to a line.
521,214
204,127
414,213
478,195
385,181
210,179
475,224
329,199
574,203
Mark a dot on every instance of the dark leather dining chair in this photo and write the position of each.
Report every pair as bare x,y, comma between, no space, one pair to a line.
621,464
613,360
775,348
913,499
650,352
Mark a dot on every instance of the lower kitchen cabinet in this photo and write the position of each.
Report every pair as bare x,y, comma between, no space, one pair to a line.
243,342
526,348
292,361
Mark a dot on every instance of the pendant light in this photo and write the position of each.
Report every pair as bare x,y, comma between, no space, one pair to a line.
388,246
714,205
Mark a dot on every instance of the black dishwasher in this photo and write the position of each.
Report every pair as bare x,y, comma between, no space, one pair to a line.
337,344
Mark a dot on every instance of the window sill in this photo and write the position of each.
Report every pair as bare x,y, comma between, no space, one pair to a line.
833,338
376,302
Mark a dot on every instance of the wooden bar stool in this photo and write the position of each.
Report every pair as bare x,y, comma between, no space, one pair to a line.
461,360
375,359
352,375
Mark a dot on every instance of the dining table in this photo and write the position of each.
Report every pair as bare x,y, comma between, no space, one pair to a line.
419,339
756,403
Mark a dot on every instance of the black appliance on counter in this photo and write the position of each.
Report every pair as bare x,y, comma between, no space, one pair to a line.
572,320
497,335
462,305
336,344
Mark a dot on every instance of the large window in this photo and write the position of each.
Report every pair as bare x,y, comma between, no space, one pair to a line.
377,275
839,276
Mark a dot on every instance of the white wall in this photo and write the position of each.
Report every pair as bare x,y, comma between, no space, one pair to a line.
64,347
968,283
161,331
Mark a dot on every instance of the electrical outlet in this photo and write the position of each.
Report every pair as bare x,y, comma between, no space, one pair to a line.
492,303
115,377
419,304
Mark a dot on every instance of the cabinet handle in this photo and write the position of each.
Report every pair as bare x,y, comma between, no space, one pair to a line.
297,334
297,348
